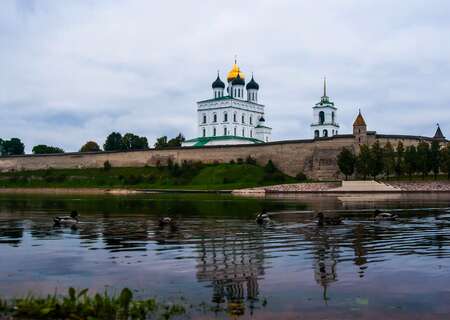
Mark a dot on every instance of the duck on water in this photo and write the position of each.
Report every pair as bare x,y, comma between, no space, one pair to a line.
66,221
263,218
378,215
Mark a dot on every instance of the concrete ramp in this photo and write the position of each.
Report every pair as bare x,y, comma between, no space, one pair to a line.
365,186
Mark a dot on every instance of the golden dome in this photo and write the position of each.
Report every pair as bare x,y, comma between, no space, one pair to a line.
234,72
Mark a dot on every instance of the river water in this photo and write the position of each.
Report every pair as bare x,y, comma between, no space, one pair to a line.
218,255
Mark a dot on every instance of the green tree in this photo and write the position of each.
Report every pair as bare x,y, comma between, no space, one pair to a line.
134,142
388,159
435,158
445,160
1,147
346,161
423,158
13,147
114,142
362,161
376,160
399,159
411,160
90,146
161,142
176,142
44,149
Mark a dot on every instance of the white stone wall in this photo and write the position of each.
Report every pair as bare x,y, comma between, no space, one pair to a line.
263,134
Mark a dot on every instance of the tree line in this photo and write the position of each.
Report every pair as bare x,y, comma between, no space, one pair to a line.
387,161
114,142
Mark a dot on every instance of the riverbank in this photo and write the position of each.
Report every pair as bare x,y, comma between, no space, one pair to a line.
290,188
187,177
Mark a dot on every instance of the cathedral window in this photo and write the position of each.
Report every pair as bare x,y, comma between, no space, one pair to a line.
243,118
214,132
251,120
214,117
204,132
225,117
224,131
234,131
316,133
243,132
332,117
251,133
204,118
325,133
234,117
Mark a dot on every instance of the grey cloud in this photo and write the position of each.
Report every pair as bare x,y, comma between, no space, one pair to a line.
77,70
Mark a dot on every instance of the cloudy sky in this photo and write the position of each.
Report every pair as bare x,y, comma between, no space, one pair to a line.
72,71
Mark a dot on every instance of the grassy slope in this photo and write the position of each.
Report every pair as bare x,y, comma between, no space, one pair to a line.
217,176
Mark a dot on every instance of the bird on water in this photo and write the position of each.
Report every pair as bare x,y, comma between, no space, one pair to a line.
379,215
67,221
263,218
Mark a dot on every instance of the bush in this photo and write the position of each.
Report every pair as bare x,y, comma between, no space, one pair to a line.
250,160
270,167
132,180
240,160
107,165
272,173
301,176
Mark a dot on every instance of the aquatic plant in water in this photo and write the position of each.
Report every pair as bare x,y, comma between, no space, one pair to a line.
80,305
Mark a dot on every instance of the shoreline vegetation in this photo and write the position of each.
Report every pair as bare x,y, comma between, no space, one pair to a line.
187,176
81,305
106,306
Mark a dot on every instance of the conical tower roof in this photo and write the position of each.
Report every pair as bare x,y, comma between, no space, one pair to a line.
439,135
359,121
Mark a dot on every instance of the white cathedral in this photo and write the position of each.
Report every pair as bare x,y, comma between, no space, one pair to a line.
232,118
237,118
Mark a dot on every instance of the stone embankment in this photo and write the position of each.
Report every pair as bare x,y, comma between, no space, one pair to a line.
289,188
425,186
351,187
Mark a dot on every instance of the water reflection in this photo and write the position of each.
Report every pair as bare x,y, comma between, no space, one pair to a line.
217,245
232,262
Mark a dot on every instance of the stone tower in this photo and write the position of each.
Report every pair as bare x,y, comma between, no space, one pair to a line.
360,129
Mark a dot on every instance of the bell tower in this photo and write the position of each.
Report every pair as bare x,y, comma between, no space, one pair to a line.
325,116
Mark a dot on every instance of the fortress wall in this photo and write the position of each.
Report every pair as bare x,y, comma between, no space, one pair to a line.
406,140
315,158
291,157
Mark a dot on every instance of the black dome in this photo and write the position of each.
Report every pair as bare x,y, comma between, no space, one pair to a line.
238,81
218,83
262,119
252,85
